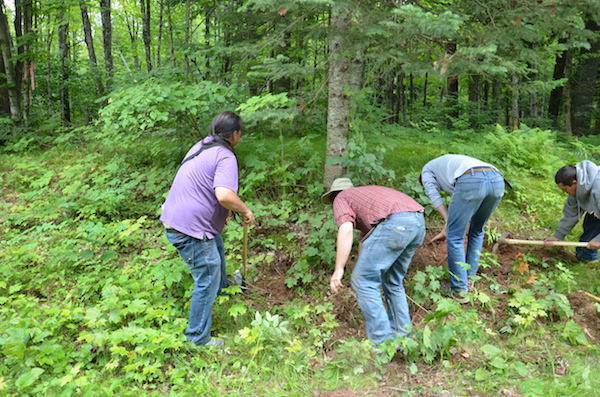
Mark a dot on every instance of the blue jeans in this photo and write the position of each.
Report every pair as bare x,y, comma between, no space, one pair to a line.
591,228
476,195
206,261
383,262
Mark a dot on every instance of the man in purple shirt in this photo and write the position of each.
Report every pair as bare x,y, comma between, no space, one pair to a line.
392,227
202,195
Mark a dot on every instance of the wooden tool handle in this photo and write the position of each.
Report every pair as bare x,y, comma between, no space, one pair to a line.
594,297
541,242
245,250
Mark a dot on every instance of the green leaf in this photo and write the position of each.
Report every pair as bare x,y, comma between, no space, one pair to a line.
491,350
28,378
521,368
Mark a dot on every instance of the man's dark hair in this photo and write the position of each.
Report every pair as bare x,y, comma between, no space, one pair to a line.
225,124
333,195
566,175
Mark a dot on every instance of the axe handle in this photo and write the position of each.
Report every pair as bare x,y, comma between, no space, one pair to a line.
541,242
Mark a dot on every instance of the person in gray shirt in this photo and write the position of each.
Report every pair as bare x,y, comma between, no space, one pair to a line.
476,188
582,183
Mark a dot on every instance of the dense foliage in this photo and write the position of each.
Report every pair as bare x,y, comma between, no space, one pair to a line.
455,62
93,298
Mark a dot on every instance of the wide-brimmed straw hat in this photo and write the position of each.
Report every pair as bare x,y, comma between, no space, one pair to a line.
337,186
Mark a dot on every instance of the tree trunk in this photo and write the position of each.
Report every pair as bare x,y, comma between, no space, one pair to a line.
567,93
145,10
4,104
171,35
474,92
49,68
25,37
107,37
400,99
412,95
63,45
497,95
187,39
451,91
425,90
9,66
133,33
283,84
533,99
160,32
516,121
207,33
89,41
338,110
583,85
555,100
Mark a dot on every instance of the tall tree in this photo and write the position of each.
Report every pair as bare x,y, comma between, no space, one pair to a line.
89,41
107,39
585,81
63,44
338,108
24,33
145,10
10,71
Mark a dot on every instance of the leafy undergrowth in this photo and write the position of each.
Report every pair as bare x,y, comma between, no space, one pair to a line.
94,299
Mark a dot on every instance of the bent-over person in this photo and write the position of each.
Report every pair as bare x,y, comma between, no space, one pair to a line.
392,227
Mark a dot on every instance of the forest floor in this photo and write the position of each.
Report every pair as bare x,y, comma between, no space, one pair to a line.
271,285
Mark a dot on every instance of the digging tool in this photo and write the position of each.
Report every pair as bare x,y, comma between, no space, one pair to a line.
245,249
594,297
505,240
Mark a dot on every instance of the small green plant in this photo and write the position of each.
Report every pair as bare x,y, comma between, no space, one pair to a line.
364,163
267,334
499,363
356,358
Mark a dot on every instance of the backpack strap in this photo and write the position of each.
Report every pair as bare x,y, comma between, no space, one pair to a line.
203,148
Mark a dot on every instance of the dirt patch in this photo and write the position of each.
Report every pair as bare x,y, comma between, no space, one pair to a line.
507,274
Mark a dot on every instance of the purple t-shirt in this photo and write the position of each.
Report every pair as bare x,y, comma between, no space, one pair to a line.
191,206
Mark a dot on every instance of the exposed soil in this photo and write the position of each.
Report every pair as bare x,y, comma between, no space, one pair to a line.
271,284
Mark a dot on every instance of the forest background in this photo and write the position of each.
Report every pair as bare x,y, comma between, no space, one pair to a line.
100,100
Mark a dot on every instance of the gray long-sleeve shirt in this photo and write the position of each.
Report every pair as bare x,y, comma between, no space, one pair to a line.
441,174
587,198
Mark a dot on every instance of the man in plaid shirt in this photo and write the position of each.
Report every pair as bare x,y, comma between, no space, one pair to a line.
392,227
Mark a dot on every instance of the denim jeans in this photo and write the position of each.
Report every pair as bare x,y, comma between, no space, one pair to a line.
591,228
383,262
476,195
206,261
